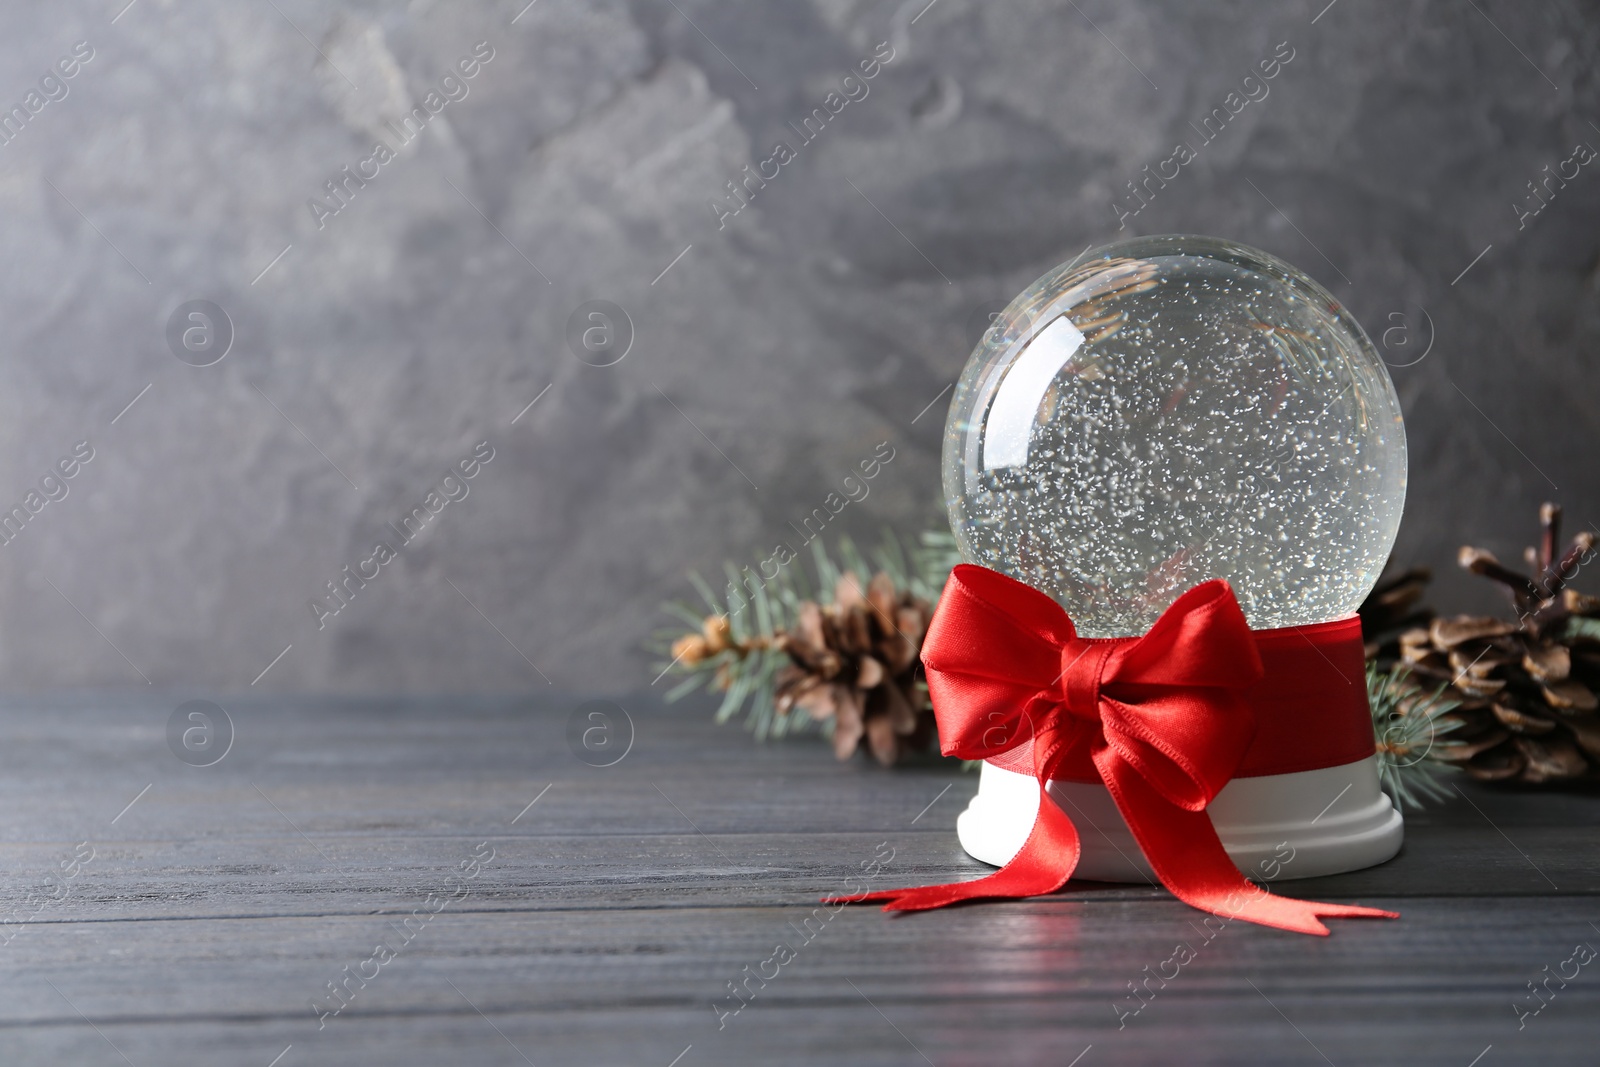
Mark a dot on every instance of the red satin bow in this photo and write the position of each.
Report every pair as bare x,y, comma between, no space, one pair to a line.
1158,718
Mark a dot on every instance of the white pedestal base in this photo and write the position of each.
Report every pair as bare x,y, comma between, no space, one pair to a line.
1336,819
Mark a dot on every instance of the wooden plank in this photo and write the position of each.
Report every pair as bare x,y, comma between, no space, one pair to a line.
346,874
1043,976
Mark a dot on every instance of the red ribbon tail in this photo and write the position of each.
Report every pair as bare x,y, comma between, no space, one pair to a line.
1186,854
1044,864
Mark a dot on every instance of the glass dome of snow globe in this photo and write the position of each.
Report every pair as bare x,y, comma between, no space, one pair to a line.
1172,409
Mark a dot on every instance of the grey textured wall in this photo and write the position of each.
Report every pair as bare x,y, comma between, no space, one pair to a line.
373,348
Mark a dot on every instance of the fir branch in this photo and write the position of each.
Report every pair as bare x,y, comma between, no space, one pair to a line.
1406,721
738,646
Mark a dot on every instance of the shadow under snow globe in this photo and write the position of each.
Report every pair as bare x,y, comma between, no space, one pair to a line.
1158,413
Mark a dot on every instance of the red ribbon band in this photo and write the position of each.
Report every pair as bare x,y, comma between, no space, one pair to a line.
1165,720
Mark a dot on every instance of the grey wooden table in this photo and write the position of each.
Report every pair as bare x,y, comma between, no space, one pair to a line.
158,913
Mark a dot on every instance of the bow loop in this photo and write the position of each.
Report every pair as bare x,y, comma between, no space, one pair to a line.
1202,641
992,650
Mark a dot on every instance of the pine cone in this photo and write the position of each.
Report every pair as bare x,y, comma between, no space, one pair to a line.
855,662
1394,606
1527,686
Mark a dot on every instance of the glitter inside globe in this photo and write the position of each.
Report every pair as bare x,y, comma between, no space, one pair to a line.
1172,409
